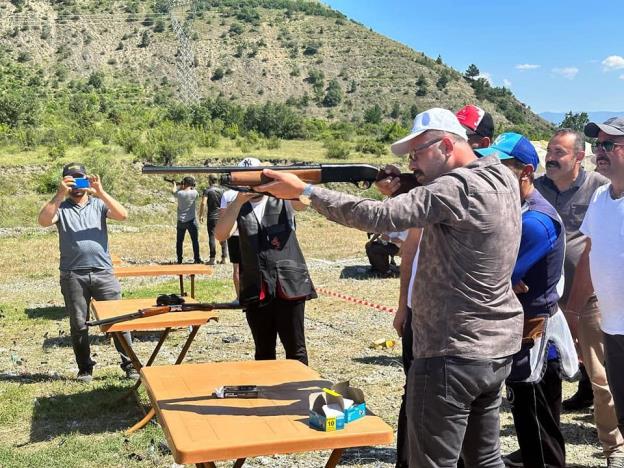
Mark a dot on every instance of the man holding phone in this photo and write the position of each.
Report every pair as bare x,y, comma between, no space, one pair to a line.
86,267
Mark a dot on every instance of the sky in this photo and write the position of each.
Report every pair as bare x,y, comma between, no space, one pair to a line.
554,55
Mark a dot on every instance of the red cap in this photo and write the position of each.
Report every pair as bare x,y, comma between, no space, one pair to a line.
477,120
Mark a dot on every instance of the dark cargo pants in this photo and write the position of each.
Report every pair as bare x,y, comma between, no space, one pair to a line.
78,288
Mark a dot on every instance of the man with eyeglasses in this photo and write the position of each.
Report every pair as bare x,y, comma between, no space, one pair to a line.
604,257
467,321
479,126
569,188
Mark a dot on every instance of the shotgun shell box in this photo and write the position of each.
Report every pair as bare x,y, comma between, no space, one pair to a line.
237,391
332,408
355,407
325,412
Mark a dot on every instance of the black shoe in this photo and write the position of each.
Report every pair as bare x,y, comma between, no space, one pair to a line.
198,260
514,459
210,262
223,261
577,402
179,261
85,376
131,373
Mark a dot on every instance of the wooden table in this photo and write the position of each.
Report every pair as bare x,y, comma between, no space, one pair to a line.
164,322
202,429
180,270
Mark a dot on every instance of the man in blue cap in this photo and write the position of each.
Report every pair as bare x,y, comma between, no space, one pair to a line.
535,392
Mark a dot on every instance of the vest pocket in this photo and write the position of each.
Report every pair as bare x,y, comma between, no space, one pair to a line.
293,281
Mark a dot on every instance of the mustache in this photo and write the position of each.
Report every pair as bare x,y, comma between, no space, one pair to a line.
553,164
602,159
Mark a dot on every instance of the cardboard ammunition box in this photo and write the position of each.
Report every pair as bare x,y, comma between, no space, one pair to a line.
340,413
319,417
358,409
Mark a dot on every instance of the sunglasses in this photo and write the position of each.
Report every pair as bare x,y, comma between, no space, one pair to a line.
607,146
419,148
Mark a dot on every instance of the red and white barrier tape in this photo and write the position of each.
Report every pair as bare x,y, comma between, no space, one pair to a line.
327,292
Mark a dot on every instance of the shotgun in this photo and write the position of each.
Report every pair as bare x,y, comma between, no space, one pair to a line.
163,309
235,177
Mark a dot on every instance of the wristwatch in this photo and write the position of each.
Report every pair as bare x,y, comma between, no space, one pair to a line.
305,195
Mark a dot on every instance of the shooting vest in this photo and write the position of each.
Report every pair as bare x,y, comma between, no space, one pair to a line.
544,277
272,264
540,305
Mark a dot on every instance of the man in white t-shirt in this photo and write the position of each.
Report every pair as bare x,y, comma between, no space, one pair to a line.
604,255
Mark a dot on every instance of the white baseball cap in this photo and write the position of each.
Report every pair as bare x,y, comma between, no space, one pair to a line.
432,119
249,162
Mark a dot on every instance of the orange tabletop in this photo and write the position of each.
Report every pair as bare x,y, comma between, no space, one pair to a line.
201,428
106,309
116,259
162,270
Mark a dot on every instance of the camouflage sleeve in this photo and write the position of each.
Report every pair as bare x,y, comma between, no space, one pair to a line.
443,201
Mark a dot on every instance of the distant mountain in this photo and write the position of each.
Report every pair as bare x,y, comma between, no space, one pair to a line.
595,116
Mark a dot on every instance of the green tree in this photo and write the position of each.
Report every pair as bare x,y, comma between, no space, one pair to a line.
472,72
439,60
575,121
145,39
396,110
334,94
96,79
373,114
442,81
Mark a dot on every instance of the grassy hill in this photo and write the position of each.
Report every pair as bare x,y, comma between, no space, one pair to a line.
284,51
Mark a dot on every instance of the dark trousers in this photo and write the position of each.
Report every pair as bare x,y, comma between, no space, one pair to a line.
78,288
279,317
212,245
191,227
584,384
402,444
453,407
536,409
379,254
614,357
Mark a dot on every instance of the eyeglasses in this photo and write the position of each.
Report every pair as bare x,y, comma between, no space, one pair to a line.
419,148
607,146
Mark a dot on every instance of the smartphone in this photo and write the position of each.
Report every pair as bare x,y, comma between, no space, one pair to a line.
81,183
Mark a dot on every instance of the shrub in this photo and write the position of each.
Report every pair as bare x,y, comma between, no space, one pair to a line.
336,149
373,114
334,94
273,143
218,74
369,146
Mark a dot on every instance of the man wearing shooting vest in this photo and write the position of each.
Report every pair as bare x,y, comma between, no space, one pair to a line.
274,279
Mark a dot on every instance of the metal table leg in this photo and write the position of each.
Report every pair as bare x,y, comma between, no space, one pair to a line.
151,413
181,285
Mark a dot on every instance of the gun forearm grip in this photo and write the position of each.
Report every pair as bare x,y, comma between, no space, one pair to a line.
254,178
